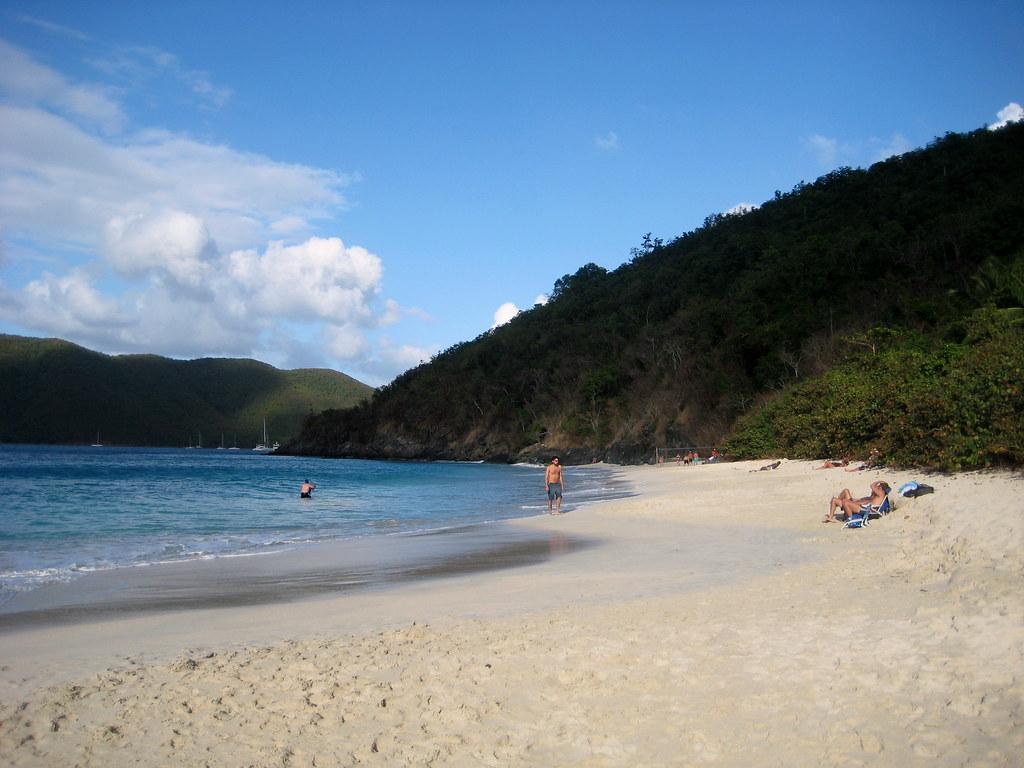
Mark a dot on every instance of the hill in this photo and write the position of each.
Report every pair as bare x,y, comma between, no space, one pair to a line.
53,391
709,336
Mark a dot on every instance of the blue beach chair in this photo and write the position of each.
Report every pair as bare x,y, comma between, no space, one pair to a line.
868,512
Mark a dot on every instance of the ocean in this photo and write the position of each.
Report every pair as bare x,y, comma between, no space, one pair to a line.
70,511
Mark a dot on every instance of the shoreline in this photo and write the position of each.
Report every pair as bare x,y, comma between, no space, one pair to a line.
717,622
240,511
322,569
303,570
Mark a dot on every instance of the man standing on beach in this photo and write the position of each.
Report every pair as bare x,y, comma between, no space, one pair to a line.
554,484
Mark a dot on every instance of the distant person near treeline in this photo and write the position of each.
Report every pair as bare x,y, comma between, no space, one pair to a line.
554,483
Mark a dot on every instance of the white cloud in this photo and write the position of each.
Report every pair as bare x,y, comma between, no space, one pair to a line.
896,144
607,143
1011,113
320,279
49,26
63,185
242,297
504,313
156,242
25,80
69,305
388,357
541,300
830,153
740,208
144,67
169,243
824,149
345,342
289,225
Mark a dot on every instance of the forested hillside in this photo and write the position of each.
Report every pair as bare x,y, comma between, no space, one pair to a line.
52,391
731,331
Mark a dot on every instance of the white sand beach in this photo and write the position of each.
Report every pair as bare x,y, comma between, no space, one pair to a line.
716,621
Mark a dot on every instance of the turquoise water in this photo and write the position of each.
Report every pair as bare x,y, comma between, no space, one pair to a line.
70,510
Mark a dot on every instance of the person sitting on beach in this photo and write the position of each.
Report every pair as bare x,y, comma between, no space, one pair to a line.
554,483
850,506
306,492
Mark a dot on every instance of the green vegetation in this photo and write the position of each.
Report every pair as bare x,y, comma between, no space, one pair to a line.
870,308
924,401
52,391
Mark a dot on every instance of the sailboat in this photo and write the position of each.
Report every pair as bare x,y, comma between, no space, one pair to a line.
264,447
221,446
97,444
235,446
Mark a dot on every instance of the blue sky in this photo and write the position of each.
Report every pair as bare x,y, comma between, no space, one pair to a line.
360,185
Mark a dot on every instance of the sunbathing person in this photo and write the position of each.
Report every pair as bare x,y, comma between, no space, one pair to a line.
871,463
832,463
849,505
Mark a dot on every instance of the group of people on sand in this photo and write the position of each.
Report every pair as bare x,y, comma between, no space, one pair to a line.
849,465
694,457
841,507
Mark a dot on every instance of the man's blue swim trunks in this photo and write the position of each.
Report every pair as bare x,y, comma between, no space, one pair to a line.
554,491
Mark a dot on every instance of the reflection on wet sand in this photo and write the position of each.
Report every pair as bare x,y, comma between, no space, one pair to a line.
317,570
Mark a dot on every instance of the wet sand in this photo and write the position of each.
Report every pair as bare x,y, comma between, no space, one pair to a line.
714,620
301,572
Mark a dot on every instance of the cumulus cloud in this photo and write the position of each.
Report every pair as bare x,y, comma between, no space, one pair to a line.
1011,113
319,279
156,242
345,342
387,357
608,142
740,208
504,313
541,300
69,305
239,297
171,244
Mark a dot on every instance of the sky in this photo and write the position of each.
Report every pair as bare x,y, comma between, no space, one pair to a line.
360,185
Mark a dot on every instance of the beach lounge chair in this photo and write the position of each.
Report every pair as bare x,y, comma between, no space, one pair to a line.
882,509
868,512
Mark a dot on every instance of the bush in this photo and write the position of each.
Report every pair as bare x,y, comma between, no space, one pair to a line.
948,406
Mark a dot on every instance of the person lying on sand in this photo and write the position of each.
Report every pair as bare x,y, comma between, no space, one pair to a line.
849,505
831,463
871,463
767,467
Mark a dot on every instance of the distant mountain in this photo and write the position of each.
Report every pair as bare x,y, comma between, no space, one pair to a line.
918,260
53,391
